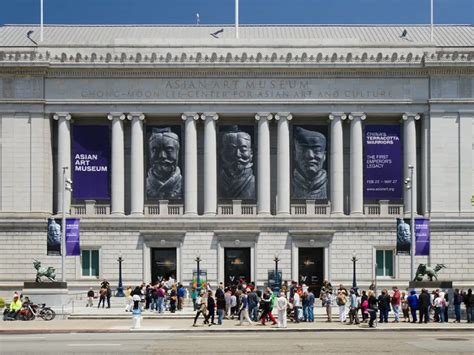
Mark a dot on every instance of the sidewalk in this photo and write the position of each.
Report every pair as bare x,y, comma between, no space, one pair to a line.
185,326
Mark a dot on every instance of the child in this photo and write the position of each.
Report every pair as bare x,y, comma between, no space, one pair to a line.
90,298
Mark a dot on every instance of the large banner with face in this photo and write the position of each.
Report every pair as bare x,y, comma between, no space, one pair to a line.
236,165
53,244
403,236
310,177
91,162
164,180
383,162
422,236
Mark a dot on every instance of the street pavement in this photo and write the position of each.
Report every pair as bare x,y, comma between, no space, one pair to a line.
393,342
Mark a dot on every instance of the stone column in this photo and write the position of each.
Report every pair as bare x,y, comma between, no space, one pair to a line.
190,164
118,164
425,165
263,173
409,157
356,164
283,163
210,163
336,164
64,159
137,180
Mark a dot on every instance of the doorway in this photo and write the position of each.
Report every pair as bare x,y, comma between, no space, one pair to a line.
311,268
163,264
236,265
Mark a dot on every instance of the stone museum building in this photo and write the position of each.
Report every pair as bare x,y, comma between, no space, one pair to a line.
240,146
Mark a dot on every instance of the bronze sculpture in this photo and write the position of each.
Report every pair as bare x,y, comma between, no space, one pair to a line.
431,273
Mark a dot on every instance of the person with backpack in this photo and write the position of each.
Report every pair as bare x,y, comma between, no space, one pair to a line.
341,301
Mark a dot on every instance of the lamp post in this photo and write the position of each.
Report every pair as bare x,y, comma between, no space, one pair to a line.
277,277
354,280
67,186
119,292
409,186
198,261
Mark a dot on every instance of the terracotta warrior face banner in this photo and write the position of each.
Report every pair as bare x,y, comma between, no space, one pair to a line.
163,176
383,162
236,167
310,178
91,162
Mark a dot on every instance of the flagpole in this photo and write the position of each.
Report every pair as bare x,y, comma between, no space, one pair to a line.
41,26
236,18
431,33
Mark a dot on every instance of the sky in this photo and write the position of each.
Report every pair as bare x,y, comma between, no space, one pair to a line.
222,11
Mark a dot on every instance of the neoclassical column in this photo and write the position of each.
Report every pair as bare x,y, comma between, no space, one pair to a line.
118,164
210,163
263,173
64,159
283,163
190,164
409,157
336,163
137,164
356,164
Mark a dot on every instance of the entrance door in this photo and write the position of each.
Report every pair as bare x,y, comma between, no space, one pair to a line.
236,265
311,268
163,263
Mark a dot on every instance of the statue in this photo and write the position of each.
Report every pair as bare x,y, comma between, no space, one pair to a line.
164,180
44,272
309,177
423,270
236,171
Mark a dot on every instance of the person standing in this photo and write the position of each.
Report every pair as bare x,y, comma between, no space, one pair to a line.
108,292
373,307
194,296
266,305
282,305
181,295
424,302
211,307
90,298
412,301
173,298
253,305
457,305
102,296
384,306
128,299
244,308
228,299
439,305
353,308
405,308
327,303
396,302
341,302
364,306
310,301
220,302
296,306
470,311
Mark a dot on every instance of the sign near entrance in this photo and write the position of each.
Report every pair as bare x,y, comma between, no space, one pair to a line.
237,265
382,162
311,268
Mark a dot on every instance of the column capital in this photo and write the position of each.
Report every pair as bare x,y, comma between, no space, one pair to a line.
192,115
119,115
408,115
64,115
138,115
209,115
281,115
340,115
264,115
355,115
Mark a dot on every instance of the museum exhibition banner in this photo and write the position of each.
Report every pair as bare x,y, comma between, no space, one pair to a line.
164,171
422,236
383,162
309,165
403,236
91,162
53,244
72,237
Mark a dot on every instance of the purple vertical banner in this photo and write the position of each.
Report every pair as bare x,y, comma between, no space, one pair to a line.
72,237
383,162
91,162
422,236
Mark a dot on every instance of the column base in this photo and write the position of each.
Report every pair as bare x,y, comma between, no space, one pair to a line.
119,214
210,213
137,214
263,214
357,214
337,214
283,214
190,214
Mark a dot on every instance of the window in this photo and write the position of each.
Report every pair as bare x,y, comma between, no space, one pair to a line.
90,263
384,260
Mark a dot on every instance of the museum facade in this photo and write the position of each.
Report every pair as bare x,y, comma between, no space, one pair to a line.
289,142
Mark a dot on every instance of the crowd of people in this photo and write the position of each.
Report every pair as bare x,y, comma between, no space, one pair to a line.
293,302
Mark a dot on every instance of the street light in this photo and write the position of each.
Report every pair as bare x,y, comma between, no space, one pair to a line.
409,186
119,292
67,186
354,280
198,261
277,277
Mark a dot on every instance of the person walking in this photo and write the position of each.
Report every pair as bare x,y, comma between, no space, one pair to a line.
424,303
373,307
266,305
396,303
194,296
201,303
384,306
244,308
211,307
413,304
282,305
353,308
341,301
